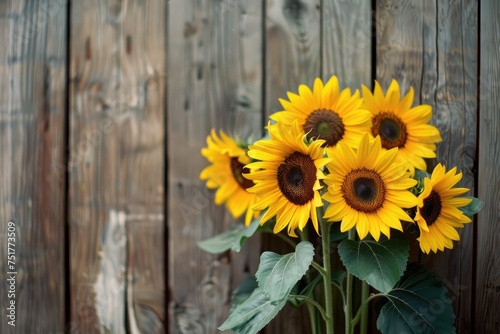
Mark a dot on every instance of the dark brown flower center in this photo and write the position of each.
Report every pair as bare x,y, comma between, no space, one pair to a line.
390,128
432,208
296,178
324,124
364,190
238,169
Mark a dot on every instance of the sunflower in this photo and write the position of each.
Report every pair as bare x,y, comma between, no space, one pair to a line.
368,188
401,126
287,177
226,173
325,113
437,214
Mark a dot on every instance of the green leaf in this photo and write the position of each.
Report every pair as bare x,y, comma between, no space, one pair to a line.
380,264
473,207
419,303
243,291
277,274
335,234
253,314
230,240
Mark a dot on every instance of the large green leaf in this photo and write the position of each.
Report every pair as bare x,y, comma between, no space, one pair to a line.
380,264
253,314
243,291
473,207
419,303
277,274
230,240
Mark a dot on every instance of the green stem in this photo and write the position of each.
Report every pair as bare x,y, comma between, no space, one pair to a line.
348,304
363,307
319,268
327,276
304,236
365,290
312,318
312,302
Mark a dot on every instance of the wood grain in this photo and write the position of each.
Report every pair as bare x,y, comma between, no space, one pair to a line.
487,303
347,42
32,118
144,64
431,46
116,166
215,77
292,40
453,95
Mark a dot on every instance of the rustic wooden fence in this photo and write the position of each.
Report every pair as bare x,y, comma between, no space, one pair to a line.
104,106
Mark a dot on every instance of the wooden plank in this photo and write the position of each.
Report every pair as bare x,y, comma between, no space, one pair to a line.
292,57
144,64
431,46
116,166
215,75
347,42
487,303
292,48
455,116
32,118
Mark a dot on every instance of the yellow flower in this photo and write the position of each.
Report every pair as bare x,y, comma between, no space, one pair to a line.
325,113
287,177
367,188
437,214
399,125
226,174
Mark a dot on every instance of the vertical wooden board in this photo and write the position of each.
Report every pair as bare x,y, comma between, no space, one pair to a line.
215,74
432,47
292,57
292,42
453,96
347,42
32,118
143,62
487,303
92,164
399,40
116,166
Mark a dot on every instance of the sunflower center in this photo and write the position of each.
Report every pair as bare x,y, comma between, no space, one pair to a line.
390,128
432,208
364,190
324,124
296,178
238,169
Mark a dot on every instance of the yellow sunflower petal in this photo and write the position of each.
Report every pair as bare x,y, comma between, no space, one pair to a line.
438,215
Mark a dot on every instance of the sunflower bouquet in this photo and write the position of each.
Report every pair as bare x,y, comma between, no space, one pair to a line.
352,167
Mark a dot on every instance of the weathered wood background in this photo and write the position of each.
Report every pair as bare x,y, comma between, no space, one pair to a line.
105,105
